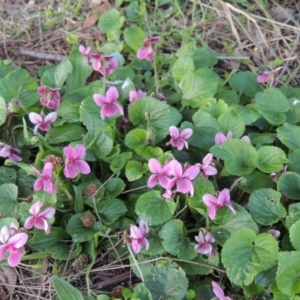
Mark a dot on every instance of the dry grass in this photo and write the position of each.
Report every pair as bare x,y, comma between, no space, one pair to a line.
266,36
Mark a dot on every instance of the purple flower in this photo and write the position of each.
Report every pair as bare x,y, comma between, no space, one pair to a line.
178,137
104,64
220,138
271,76
214,204
219,292
275,233
10,152
39,219
45,181
138,236
148,49
205,239
183,178
134,95
74,161
13,243
109,107
160,173
42,122
85,51
207,168
50,97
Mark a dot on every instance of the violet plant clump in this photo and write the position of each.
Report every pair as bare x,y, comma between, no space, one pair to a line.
141,134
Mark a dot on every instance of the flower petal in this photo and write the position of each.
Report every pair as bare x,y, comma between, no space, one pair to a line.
4,235
83,166
18,240
71,170
69,152
224,197
112,94
35,208
29,223
142,53
152,181
154,166
15,257
217,290
100,100
48,213
35,118
80,151
184,186
210,200
135,232
191,172
143,227
136,246
186,133
174,132
50,118
207,159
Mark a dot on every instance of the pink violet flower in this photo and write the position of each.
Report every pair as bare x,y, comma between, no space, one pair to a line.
104,64
138,236
207,167
148,49
39,219
85,51
183,178
10,152
178,137
45,181
205,239
42,122
160,173
13,243
109,107
275,233
74,161
134,95
220,138
270,76
214,204
219,292
50,97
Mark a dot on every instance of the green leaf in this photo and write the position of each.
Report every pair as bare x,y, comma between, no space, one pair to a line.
230,121
99,143
3,111
230,97
114,187
295,235
7,175
166,282
175,241
272,104
135,170
110,20
288,273
142,292
186,49
5,69
119,161
18,84
204,130
294,161
154,209
111,210
228,223
161,116
80,71
240,157
41,241
244,83
134,37
203,58
65,290
64,134
293,214
55,77
271,159
68,111
248,113
245,255
289,185
198,86
289,135
8,200
182,65
63,251
254,181
265,206
266,277
136,138
90,115
148,152
78,231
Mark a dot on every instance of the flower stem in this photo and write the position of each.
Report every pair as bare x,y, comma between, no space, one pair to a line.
156,76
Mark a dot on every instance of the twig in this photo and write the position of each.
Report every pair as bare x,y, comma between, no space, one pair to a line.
112,281
42,55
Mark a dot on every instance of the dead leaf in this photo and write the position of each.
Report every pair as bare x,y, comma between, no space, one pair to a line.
92,18
8,277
